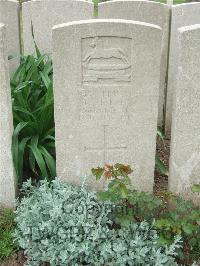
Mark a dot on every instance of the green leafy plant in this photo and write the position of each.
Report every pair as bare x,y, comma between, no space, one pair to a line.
196,188
7,226
172,215
181,218
133,205
64,225
33,138
119,180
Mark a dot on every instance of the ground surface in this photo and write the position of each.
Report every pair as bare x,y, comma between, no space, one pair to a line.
17,259
161,181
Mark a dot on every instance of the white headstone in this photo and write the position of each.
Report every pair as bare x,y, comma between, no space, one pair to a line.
106,86
9,10
149,12
7,179
185,143
182,15
45,14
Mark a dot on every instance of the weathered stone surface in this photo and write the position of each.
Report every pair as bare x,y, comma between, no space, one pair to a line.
182,15
149,12
185,144
106,86
7,180
45,14
9,16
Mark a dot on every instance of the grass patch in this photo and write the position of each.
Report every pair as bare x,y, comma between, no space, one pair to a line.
7,226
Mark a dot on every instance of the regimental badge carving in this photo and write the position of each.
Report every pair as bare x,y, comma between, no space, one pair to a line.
106,60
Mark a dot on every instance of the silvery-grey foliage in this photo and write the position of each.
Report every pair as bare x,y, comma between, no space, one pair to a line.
67,225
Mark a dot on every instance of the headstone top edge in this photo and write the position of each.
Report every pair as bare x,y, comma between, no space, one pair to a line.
189,28
132,1
99,21
50,1
184,5
9,1
15,2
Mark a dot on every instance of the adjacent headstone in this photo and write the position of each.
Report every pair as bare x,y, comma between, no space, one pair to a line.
7,180
185,144
149,12
182,15
106,87
43,15
9,15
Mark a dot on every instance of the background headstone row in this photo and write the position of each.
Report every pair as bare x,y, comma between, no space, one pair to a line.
177,101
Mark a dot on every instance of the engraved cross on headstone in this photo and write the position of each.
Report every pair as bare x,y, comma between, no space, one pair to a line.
106,146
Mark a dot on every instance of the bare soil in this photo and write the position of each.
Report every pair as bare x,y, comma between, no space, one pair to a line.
161,181
18,259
